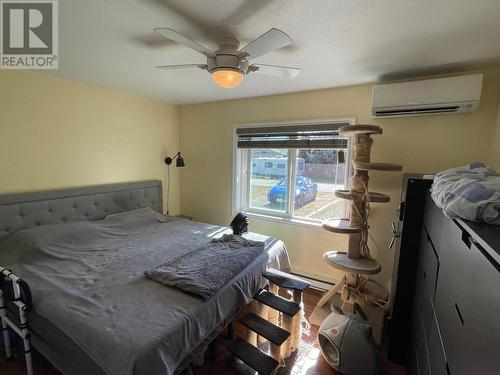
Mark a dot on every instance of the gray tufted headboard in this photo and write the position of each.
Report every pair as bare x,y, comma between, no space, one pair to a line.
25,210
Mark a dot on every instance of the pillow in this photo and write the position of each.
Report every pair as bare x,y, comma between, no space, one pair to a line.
470,192
139,214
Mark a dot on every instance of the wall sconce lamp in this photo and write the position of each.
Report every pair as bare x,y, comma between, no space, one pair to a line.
178,163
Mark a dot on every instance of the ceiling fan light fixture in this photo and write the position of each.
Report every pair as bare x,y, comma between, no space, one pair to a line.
229,64
227,77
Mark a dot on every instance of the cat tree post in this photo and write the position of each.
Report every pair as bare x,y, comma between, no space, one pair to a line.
286,348
297,320
273,314
251,336
263,312
357,263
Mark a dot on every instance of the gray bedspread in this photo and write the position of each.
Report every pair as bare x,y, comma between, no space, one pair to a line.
208,268
87,280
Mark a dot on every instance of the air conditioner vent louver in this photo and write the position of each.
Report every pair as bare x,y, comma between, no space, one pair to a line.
426,97
416,111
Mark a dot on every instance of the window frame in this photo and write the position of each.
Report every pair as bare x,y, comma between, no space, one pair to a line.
242,167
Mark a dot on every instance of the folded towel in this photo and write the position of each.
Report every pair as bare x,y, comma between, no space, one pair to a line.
208,268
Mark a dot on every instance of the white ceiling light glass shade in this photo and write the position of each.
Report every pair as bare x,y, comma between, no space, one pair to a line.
227,77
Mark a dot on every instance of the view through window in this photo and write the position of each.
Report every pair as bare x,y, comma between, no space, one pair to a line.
317,174
268,173
320,176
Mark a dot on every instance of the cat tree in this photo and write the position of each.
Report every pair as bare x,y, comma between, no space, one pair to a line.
356,289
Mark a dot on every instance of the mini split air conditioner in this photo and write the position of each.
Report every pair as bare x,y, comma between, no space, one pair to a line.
427,97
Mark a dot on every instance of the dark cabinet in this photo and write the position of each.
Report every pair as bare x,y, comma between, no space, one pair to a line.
428,264
434,220
407,233
468,304
455,315
437,359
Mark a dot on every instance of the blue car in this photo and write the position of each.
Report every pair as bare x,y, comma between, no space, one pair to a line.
306,190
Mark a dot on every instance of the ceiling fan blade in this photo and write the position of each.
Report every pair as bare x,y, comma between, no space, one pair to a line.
182,12
151,40
179,38
248,9
182,66
272,40
275,70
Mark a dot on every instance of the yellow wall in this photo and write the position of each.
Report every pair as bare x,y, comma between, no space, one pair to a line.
56,133
422,144
494,159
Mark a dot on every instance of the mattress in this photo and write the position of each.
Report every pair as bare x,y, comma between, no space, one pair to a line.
95,312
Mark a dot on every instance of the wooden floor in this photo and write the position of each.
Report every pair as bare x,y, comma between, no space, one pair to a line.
307,360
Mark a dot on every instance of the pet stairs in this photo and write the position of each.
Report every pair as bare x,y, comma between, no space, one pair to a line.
16,294
357,263
276,320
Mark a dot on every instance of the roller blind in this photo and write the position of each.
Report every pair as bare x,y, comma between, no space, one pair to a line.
292,136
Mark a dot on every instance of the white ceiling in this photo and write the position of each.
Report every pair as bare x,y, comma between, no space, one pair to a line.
336,42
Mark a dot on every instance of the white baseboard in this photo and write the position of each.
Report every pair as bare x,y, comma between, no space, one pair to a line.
317,281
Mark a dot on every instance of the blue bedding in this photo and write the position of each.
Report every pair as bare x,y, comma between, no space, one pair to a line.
470,192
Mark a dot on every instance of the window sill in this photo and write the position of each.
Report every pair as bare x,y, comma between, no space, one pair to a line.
285,220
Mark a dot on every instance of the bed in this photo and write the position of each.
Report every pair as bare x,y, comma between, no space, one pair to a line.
83,252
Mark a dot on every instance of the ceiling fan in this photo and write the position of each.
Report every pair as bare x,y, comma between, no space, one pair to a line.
229,64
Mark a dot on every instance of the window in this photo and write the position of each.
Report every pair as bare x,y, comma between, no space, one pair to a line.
316,180
268,158
262,178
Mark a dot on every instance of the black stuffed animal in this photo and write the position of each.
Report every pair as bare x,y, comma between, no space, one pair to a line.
239,225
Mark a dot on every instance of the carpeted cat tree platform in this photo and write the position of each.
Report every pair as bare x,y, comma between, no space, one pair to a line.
358,293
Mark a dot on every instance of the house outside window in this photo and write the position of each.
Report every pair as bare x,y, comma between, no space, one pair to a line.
291,171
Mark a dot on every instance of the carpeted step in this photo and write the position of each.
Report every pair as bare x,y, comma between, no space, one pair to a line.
285,280
277,303
252,356
266,329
